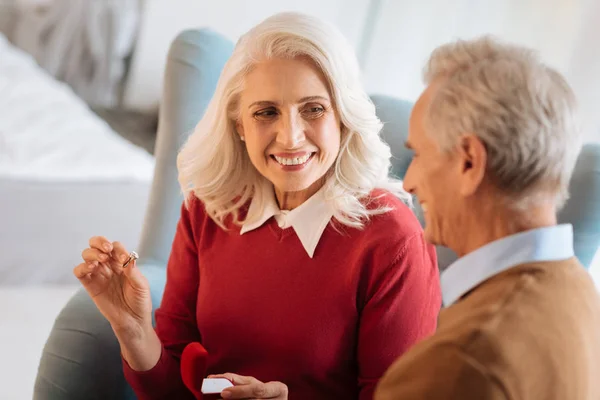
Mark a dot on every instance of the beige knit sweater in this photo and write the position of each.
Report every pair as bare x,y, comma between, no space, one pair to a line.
530,332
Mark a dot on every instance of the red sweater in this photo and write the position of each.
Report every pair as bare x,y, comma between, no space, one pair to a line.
327,327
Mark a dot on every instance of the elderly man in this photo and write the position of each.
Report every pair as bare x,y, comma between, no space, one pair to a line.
495,141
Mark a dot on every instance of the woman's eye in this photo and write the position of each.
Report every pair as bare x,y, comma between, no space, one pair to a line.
265,114
314,111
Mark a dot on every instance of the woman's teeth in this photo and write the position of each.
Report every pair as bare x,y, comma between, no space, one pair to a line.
293,161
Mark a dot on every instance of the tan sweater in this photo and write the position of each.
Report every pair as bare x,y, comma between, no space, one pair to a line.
530,332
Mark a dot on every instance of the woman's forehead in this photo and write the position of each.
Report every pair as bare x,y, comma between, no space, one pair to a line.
284,80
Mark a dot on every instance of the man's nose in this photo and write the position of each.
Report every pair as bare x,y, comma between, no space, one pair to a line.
290,132
408,181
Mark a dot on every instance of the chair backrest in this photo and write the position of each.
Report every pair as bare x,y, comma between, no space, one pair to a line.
194,64
583,208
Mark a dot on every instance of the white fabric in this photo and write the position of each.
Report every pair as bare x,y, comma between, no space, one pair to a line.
48,133
82,43
308,220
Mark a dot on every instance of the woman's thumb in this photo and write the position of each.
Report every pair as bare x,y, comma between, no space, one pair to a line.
135,276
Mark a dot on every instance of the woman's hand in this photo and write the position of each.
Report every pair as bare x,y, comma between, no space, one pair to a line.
247,387
121,294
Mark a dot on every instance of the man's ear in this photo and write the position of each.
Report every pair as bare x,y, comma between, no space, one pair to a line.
473,157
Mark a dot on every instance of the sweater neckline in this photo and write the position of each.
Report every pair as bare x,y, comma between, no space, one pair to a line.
279,233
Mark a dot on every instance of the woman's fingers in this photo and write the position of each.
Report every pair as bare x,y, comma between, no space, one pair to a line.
119,253
248,387
101,243
87,272
83,270
99,252
92,254
105,260
235,378
119,258
251,388
105,271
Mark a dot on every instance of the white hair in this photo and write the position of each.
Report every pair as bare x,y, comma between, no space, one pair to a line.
214,165
521,109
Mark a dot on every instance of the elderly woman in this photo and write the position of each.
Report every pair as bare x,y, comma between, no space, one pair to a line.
296,261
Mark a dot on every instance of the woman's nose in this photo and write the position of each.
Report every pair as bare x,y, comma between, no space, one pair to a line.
290,132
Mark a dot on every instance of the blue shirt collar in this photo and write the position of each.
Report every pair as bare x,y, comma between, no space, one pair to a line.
543,244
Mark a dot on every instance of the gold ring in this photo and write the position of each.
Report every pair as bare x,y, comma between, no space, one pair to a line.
132,256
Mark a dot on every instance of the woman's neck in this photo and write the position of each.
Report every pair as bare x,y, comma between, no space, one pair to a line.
291,200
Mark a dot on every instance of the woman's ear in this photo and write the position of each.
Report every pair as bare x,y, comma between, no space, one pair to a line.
239,127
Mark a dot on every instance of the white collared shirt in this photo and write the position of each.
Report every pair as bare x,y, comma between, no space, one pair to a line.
552,243
308,220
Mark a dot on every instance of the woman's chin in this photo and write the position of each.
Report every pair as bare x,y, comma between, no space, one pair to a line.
296,183
289,187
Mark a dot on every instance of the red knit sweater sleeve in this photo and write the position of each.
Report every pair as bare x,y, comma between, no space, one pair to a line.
403,302
175,318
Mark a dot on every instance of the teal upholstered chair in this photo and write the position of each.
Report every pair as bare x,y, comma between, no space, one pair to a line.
81,359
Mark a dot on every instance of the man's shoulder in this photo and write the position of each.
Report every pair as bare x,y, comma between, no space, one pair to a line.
555,289
526,305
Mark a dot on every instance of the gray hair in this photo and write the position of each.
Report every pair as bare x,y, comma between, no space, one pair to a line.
522,110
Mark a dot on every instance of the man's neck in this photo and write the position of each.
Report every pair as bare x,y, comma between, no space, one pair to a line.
497,223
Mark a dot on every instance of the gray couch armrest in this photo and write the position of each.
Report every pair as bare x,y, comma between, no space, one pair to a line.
82,358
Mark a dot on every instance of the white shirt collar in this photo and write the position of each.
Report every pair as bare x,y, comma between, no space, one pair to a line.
309,220
551,243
